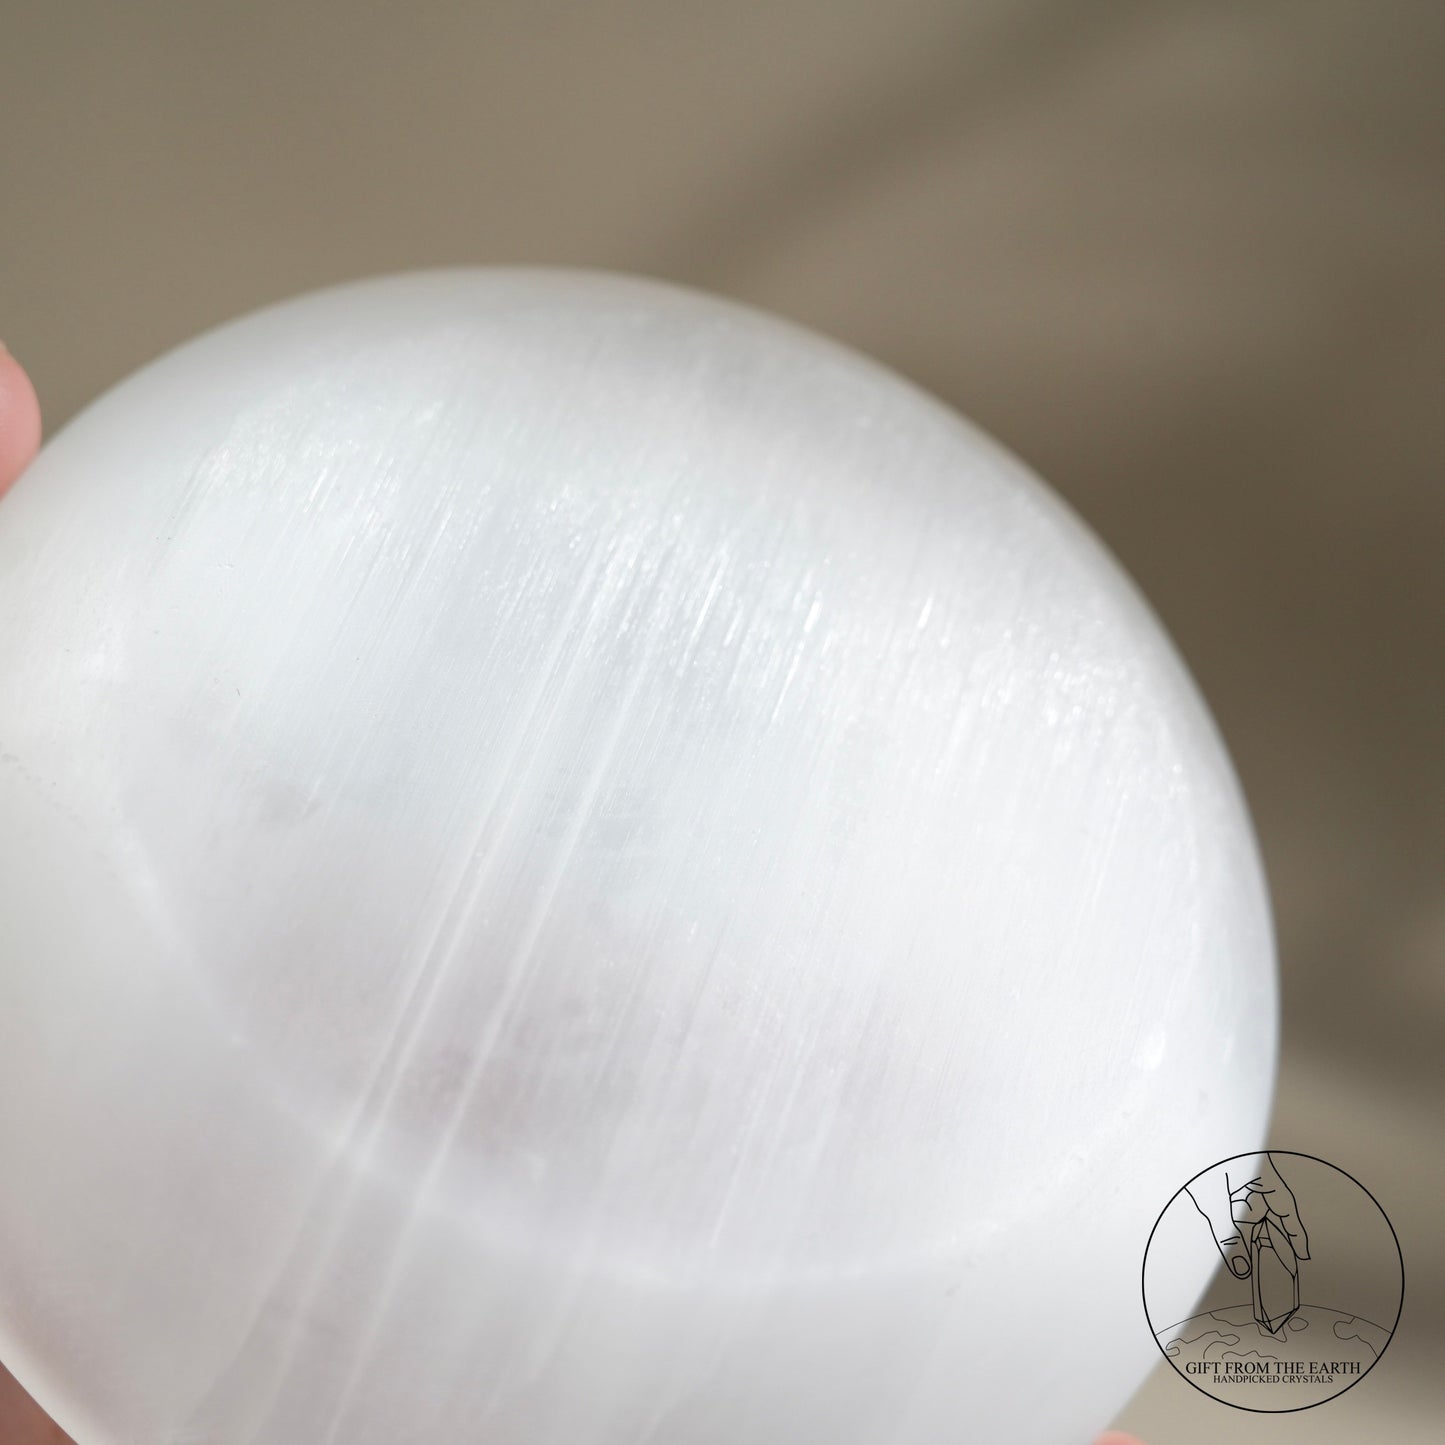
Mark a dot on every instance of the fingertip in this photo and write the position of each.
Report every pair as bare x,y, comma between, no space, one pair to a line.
19,420
22,1421
1117,1437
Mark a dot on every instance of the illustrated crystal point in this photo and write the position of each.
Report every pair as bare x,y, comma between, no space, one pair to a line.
1274,1276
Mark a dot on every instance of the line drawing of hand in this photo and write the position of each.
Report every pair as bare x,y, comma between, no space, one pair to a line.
1239,1194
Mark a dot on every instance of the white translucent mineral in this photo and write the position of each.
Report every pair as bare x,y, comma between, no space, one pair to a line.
579,866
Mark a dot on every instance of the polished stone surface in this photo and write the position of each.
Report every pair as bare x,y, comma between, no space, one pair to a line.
601,869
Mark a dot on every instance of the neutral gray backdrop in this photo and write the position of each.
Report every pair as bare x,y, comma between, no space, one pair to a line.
1186,258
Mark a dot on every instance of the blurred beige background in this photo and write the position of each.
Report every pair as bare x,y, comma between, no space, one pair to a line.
1186,258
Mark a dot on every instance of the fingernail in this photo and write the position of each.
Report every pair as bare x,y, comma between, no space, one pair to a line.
1239,1266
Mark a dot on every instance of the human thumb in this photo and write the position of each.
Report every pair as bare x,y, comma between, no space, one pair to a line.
1227,1234
19,420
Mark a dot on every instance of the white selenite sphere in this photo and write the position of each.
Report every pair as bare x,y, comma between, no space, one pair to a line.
580,866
